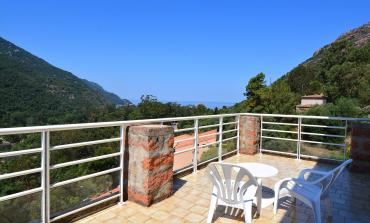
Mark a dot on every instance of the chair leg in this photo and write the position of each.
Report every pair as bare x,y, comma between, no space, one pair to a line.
276,201
259,199
248,212
212,208
317,211
293,199
329,207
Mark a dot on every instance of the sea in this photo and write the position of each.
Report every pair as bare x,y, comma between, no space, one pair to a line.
209,104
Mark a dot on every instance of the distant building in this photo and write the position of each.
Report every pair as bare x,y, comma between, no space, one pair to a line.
309,101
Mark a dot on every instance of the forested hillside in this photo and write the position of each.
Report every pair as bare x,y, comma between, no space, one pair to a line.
113,98
340,71
33,92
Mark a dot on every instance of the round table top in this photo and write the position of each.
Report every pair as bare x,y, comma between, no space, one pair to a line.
259,170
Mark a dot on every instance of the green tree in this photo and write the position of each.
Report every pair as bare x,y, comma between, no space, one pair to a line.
278,98
253,92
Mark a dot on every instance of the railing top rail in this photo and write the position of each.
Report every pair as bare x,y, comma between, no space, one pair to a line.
307,117
63,127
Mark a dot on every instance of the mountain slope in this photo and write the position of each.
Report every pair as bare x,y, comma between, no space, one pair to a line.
112,98
340,69
32,89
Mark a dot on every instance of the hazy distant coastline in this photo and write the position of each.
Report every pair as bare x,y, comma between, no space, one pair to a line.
209,104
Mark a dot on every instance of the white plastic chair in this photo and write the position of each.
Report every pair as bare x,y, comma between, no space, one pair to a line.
233,186
309,192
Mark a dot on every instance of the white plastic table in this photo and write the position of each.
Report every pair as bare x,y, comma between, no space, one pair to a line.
260,170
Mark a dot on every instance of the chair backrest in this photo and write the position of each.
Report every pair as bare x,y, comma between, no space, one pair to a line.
328,180
231,181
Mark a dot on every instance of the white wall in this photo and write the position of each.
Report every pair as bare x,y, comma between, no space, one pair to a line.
313,101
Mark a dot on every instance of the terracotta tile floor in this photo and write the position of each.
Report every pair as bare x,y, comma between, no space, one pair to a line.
350,197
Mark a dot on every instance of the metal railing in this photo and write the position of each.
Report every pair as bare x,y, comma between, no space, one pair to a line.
46,149
222,127
299,130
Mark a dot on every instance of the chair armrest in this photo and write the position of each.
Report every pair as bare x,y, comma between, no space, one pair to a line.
280,184
305,171
296,181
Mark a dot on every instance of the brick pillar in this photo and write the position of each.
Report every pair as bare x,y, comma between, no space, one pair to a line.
151,156
249,127
360,148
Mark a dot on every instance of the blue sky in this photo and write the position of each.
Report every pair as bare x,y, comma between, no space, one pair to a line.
178,50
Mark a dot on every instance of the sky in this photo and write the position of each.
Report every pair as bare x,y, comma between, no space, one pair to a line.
177,50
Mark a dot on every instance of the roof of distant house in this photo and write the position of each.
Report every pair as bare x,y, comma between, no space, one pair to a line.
105,194
314,96
203,138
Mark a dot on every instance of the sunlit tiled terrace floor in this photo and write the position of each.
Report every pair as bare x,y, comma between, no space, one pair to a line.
350,198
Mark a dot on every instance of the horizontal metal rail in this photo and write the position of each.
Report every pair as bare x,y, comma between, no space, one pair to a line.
84,208
209,160
228,139
80,144
321,134
20,173
183,130
280,123
324,143
286,139
20,194
71,163
183,140
232,130
279,152
212,134
208,144
33,129
230,123
184,169
62,183
324,126
20,152
228,153
185,150
276,130
66,127
208,126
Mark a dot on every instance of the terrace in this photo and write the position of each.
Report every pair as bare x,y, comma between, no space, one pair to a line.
289,143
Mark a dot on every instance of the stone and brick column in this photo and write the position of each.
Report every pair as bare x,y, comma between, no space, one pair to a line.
249,127
151,156
360,148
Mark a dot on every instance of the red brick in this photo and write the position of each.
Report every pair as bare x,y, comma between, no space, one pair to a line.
171,141
150,144
156,162
143,199
157,180
360,147
249,134
361,130
151,158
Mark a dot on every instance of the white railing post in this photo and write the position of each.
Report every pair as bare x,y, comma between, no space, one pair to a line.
45,177
299,137
238,135
261,134
122,160
345,138
220,130
196,139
